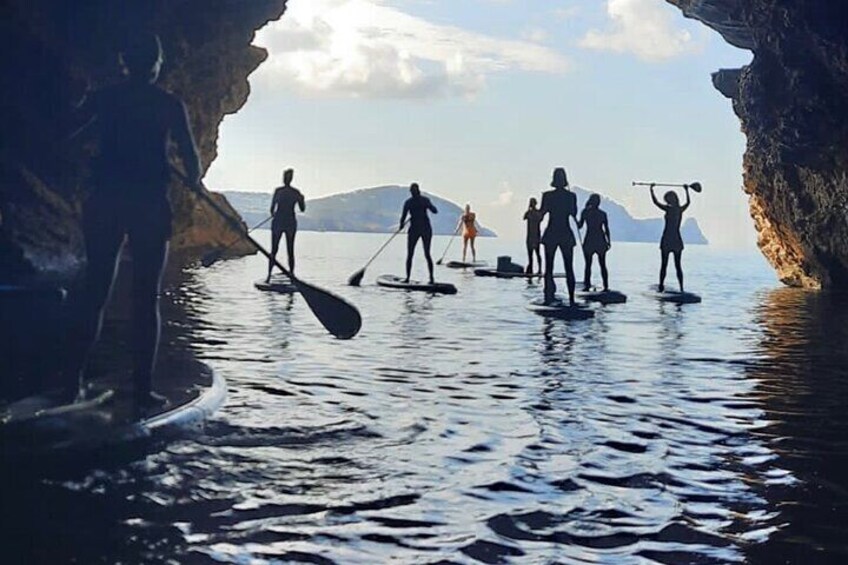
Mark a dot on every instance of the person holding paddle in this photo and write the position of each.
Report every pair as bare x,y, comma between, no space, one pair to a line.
671,242
134,122
560,205
597,240
283,203
468,222
417,207
533,217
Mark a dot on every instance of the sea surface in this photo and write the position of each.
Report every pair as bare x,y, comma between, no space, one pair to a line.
466,429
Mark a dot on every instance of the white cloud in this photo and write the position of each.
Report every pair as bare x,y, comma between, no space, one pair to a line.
505,198
364,48
644,28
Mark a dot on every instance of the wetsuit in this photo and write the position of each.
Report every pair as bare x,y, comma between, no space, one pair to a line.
595,242
134,121
533,217
416,208
559,205
285,222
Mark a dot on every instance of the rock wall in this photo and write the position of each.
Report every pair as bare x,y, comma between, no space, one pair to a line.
793,104
52,51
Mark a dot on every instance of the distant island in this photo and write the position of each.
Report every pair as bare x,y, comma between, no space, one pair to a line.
371,210
377,210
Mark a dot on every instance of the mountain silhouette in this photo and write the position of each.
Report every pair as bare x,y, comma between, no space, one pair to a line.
377,210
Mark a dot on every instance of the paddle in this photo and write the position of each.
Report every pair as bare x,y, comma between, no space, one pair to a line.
339,317
696,186
439,262
356,277
212,257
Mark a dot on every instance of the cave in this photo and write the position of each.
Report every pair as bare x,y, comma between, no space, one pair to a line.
791,100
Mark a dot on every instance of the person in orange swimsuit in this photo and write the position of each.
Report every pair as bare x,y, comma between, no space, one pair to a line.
468,222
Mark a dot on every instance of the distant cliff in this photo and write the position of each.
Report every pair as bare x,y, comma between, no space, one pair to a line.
378,210
374,210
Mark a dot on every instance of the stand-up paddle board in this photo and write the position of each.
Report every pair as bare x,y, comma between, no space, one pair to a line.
464,265
48,405
674,296
391,281
279,286
561,309
507,275
603,296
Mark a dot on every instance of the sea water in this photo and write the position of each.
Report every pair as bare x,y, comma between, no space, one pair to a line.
467,429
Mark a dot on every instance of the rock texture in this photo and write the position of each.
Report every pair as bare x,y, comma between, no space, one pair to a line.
793,103
51,51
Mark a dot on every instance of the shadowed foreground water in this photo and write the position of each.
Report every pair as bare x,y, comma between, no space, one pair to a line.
466,429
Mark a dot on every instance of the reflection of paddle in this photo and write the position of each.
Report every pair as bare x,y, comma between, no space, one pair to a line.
356,277
439,262
339,317
212,257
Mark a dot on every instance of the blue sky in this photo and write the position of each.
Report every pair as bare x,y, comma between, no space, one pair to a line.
478,100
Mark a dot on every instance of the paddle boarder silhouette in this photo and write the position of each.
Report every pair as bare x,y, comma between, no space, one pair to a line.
559,205
468,222
417,207
671,242
533,218
597,240
283,204
134,121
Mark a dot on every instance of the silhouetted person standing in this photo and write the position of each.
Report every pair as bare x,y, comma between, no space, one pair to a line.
671,242
597,240
285,199
559,205
533,217
417,207
134,120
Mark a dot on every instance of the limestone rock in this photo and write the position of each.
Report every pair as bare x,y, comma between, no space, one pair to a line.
793,104
51,52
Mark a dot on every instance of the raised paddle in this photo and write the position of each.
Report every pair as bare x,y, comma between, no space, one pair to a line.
212,257
696,186
338,316
356,277
439,262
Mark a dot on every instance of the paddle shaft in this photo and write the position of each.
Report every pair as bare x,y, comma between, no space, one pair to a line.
449,244
382,247
664,184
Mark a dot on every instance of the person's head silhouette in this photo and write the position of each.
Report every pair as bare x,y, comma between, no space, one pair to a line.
671,199
288,175
468,208
414,190
533,202
594,201
142,57
560,179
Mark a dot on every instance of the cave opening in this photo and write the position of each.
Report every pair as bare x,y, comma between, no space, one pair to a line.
480,106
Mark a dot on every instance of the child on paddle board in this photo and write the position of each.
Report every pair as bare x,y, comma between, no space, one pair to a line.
134,121
417,207
671,242
597,240
283,204
560,205
533,218
468,222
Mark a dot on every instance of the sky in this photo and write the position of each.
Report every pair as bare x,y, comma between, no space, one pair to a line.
478,101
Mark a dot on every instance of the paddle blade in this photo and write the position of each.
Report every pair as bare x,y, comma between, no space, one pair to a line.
356,278
339,317
696,186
